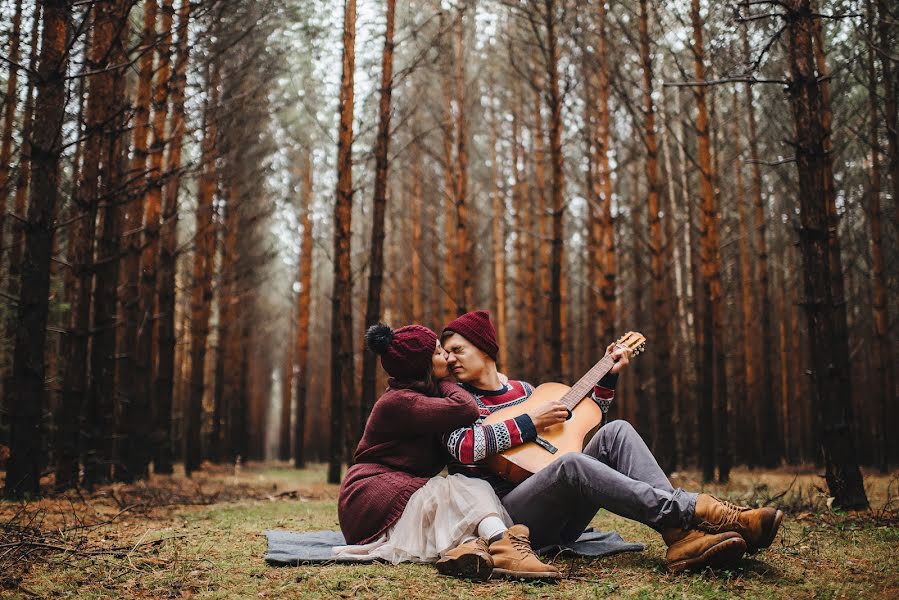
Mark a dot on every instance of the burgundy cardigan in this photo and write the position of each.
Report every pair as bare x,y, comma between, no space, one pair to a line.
397,455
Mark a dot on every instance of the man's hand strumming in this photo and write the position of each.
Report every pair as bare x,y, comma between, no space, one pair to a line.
551,413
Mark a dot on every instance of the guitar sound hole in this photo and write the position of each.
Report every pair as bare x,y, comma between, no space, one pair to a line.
570,414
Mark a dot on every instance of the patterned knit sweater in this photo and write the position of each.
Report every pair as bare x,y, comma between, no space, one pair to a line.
469,446
399,452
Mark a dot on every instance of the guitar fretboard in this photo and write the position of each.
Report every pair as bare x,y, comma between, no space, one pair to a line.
585,384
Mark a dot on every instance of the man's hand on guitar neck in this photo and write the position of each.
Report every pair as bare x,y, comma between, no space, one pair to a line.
549,414
621,356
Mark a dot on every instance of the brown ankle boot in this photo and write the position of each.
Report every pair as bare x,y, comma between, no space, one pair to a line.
692,549
758,526
470,560
514,558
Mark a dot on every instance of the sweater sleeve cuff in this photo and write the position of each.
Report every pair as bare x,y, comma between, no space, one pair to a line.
526,427
609,381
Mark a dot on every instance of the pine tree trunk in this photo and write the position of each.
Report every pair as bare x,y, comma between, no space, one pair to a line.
462,287
149,254
203,268
691,425
449,264
592,252
227,355
882,351
100,415
520,192
23,469
542,353
766,444
87,198
498,223
287,374
635,395
748,398
342,367
675,281
165,370
661,307
136,418
837,286
606,249
545,223
23,174
713,373
554,100
303,300
379,207
9,117
417,200
829,349
886,25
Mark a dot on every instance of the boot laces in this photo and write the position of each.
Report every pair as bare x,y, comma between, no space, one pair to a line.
730,517
731,506
522,544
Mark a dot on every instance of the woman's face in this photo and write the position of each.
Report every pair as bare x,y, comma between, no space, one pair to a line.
439,368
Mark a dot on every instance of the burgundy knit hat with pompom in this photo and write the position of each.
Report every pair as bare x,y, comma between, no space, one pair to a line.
405,352
477,329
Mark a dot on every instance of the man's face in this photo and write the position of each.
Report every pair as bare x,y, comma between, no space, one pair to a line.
466,361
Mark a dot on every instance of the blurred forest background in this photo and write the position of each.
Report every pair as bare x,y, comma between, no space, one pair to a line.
203,204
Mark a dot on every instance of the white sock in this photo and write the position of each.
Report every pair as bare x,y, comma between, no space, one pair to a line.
491,527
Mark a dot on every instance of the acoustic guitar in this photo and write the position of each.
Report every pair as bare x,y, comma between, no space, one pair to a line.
518,463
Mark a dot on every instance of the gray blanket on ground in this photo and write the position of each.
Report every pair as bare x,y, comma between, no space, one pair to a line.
289,548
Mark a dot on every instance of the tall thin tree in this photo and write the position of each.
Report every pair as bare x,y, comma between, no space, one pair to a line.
341,299
661,306
146,342
136,420
379,208
829,351
303,300
714,387
24,468
165,369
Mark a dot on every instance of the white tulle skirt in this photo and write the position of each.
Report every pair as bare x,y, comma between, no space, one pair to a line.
438,517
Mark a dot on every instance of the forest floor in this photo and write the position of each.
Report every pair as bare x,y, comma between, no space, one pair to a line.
173,537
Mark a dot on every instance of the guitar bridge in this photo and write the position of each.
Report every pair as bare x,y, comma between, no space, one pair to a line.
546,445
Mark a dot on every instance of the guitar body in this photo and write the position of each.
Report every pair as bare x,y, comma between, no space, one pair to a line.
519,463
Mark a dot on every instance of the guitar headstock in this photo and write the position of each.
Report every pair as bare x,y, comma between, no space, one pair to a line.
633,341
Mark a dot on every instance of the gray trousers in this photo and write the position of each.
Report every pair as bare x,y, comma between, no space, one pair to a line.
616,471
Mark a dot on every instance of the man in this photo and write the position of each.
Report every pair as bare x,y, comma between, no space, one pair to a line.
616,470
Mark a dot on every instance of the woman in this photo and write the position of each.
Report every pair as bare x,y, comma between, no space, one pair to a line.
392,505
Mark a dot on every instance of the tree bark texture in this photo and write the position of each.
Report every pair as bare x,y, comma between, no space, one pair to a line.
829,350
379,207
342,367
26,435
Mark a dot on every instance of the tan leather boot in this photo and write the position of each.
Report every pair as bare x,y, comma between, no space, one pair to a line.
470,560
758,526
514,558
693,549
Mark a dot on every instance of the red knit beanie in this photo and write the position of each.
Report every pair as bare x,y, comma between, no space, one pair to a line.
477,329
406,353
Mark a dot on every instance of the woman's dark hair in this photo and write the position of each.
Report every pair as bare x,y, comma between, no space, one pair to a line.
430,384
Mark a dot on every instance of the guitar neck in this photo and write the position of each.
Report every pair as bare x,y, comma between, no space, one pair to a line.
585,384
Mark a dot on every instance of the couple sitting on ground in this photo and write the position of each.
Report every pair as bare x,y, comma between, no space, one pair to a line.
394,507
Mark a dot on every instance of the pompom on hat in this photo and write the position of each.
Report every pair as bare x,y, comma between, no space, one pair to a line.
405,352
477,329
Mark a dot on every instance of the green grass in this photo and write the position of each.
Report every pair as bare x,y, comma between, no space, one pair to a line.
216,550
